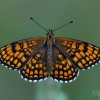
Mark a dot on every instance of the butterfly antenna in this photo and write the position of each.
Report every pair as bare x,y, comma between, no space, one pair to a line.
63,25
37,23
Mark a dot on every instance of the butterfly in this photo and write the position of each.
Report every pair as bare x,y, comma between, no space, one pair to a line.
60,58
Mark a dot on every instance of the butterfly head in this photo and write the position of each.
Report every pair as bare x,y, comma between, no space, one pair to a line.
50,33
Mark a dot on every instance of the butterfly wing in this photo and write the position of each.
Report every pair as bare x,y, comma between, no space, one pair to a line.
83,55
16,54
35,70
63,69
27,56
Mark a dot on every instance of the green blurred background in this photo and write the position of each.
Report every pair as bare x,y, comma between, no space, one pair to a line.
15,25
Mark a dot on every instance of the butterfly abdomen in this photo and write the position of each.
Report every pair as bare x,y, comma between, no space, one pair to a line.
49,55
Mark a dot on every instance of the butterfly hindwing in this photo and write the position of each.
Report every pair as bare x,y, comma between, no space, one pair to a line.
15,55
84,55
63,69
35,69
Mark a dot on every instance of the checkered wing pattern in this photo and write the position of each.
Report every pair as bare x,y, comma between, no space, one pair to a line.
83,55
63,69
22,55
35,70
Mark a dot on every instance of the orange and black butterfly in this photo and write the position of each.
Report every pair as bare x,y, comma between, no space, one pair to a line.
57,57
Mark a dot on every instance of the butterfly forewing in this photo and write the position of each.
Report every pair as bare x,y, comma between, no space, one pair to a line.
16,55
83,55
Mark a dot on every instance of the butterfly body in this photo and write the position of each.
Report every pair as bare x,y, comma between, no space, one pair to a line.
58,57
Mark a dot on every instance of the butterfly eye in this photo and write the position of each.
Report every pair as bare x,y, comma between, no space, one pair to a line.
50,29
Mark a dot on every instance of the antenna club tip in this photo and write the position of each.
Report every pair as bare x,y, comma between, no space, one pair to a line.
71,22
31,18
